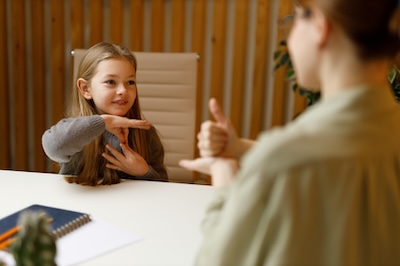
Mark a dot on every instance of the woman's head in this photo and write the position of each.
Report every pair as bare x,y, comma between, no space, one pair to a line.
372,25
364,30
106,83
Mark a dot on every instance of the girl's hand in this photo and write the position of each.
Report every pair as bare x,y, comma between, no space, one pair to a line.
119,126
128,161
217,138
222,170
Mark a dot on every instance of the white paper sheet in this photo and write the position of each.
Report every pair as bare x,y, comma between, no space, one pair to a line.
91,240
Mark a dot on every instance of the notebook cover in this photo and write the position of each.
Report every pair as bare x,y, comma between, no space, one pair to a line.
60,217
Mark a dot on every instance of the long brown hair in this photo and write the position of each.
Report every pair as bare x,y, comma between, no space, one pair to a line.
372,25
90,167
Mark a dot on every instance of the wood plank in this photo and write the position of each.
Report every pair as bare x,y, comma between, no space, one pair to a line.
116,21
5,160
57,60
239,63
137,25
157,25
198,46
260,64
218,50
96,21
19,104
178,26
77,24
280,84
38,83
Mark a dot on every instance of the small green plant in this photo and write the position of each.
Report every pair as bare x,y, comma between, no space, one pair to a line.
34,244
282,58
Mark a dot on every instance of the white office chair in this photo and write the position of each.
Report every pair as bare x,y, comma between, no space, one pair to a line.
166,85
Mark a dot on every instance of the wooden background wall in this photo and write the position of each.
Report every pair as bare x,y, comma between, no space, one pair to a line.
234,38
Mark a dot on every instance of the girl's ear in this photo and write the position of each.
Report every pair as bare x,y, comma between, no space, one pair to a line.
83,87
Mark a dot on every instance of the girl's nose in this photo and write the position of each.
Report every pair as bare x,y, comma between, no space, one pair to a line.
121,89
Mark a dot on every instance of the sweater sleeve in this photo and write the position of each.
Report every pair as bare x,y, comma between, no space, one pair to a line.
69,136
156,161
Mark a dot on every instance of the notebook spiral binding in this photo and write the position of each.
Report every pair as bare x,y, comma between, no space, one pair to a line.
71,226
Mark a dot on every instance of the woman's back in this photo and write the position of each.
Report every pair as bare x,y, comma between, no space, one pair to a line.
324,190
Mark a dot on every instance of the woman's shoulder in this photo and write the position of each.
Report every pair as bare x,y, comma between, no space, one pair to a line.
290,146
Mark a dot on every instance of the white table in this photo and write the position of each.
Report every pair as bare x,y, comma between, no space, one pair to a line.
167,215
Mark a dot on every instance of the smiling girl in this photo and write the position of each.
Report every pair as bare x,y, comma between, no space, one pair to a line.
104,137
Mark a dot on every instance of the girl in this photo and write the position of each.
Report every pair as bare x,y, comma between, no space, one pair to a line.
104,137
324,189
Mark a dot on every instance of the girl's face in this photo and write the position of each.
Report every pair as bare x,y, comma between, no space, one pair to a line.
113,87
303,49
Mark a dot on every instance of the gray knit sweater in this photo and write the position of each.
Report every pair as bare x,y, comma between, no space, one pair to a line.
65,140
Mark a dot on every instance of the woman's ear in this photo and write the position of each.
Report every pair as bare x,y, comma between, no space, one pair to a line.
323,27
83,87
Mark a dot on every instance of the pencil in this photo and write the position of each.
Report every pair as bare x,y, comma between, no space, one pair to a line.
6,241
5,244
9,233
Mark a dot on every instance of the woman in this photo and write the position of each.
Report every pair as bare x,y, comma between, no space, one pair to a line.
324,189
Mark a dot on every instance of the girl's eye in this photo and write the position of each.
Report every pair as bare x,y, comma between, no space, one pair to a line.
131,82
110,82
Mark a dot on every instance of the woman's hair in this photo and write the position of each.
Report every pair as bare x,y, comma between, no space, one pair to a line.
90,168
372,25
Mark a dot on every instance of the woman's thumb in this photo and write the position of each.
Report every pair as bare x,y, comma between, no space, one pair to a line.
216,111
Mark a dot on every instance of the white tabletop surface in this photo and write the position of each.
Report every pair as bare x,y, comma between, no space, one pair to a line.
167,215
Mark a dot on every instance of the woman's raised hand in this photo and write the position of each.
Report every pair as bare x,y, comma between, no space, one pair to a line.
119,126
217,138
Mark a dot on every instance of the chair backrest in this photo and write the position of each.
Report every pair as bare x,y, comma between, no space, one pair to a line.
166,85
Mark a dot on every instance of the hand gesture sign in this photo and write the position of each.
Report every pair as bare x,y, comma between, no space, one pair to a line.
217,138
129,161
119,126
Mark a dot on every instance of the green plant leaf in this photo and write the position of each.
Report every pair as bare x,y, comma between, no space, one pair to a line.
284,59
392,75
277,54
290,74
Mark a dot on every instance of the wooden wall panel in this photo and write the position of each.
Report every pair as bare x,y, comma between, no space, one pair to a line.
116,21
260,64
218,50
157,25
19,103
96,21
137,25
38,82
57,60
178,26
77,20
239,63
5,160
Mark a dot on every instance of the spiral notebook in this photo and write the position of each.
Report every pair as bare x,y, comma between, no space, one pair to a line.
63,221
80,237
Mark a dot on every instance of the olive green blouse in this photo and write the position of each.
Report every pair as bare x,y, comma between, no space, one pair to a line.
323,190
